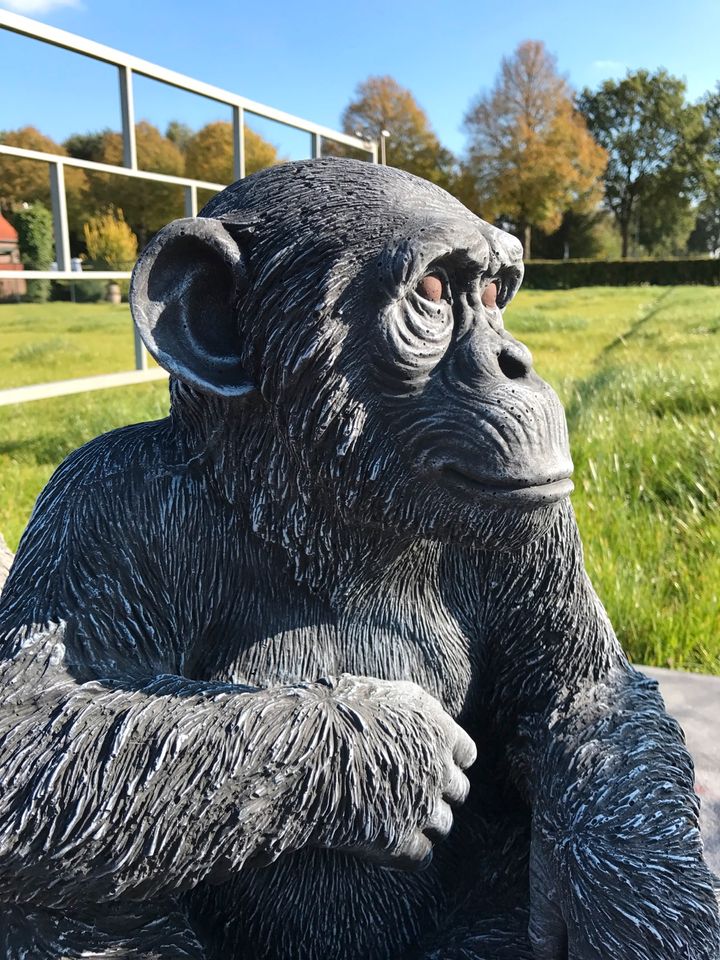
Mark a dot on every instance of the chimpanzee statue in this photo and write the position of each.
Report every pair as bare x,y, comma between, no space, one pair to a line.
311,670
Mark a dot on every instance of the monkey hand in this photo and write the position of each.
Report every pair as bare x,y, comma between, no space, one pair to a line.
592,900
616,864
392,769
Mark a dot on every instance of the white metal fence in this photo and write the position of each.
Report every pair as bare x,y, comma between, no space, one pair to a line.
127,67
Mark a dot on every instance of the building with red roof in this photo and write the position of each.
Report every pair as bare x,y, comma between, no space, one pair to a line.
10,260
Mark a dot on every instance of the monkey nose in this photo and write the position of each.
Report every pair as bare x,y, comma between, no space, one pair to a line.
514,359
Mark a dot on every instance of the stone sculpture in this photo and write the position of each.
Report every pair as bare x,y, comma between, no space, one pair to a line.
250,650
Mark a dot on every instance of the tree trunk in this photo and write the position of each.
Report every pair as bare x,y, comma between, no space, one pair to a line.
527,247
625,233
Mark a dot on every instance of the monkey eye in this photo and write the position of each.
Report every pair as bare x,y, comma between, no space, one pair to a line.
491,294
433,287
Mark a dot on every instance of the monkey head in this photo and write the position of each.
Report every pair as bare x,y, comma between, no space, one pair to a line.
351,316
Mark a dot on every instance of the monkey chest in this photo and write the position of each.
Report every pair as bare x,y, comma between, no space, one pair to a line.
284,644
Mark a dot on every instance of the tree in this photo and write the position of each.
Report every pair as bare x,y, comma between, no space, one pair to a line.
110,242
27,181
706,235
530,155
86,146
179,133
148,206
656,145
209,153
592,235
35,239
382,104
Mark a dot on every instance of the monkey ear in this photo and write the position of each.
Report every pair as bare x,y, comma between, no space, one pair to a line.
184,296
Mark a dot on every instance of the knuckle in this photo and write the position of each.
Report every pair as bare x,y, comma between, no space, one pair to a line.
465,751
457,787
440,821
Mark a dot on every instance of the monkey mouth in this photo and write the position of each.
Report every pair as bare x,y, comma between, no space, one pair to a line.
526,493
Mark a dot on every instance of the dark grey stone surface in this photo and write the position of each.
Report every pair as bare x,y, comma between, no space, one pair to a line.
251,652
694,701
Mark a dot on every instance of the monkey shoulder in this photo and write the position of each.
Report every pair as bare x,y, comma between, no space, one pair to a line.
112,538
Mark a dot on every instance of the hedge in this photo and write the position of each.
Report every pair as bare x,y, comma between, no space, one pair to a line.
562,274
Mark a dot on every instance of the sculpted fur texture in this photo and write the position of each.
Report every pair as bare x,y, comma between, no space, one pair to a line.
311,669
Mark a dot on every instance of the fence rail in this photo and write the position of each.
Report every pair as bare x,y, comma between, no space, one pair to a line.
129,66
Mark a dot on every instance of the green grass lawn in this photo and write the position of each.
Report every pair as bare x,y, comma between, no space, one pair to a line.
637,368
41,342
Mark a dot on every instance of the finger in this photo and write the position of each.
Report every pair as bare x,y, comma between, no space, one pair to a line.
413,856
464,750
463,746
440,822
457,786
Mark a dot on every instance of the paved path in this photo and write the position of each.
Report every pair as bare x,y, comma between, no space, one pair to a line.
694,701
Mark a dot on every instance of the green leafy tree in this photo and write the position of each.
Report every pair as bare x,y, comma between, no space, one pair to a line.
35,239
530,157
705,238
86,146
382,104
209,153
593,236
179,133
657,148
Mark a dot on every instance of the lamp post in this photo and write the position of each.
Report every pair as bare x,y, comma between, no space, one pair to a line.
384,134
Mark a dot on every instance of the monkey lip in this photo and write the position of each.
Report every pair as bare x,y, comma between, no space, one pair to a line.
510,492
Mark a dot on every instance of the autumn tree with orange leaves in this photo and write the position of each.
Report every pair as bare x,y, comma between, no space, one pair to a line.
380,103
531,158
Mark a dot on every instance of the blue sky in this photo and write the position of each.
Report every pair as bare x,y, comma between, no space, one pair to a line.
307,56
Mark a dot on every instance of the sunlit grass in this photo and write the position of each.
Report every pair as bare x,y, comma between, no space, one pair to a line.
41,342
641,384
637,368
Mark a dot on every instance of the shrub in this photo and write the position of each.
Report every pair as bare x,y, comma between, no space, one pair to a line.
35,238
110,243
565,274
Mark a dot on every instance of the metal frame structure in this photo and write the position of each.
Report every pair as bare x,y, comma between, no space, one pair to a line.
127,67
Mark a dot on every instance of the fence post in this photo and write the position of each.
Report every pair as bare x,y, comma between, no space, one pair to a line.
59,213
238,142
316,145
127,109
141,362
191,203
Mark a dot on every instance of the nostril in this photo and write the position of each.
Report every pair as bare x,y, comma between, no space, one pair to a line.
511,365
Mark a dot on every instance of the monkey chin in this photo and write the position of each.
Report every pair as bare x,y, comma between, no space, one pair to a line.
494,513
504,526
501,523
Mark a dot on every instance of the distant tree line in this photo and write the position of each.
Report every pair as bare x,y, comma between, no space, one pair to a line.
629,169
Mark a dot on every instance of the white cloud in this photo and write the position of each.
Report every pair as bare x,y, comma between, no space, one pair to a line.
611,66
33,8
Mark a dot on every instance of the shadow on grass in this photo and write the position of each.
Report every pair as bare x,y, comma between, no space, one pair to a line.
622,338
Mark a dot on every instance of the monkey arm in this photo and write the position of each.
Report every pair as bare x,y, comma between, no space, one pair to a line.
126,789
616,856
123,778
115,788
